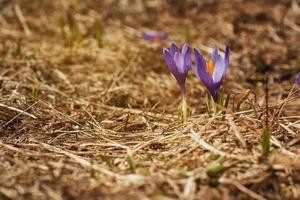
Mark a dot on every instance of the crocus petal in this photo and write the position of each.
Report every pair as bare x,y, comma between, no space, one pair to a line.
179,60
201,65
219,70
170,62
186,52
174,49
204,75
154,36
226,59
148,36
185,48
178,63
215,55
298,79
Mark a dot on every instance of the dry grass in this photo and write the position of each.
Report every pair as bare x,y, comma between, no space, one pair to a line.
95,117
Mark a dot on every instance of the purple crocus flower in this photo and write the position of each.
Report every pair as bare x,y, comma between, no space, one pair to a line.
179,63
298,79
156,37
211,73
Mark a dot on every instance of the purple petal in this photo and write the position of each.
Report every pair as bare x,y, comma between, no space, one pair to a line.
215,54
174,49
173,68
170,62
187,56
185,48
179,60
154,36
201,65
204,75
219,70
298,79
149,36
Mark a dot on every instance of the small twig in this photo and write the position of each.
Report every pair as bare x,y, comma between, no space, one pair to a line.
290,131
236,132
11,148
205,145
243,99
283,104
62,114
278,144
20,111
284,14
80,160
292,25
137,112
242,188
189,189
22,20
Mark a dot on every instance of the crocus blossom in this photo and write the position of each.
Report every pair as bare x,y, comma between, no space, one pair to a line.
156,37
298,79
211,73
179,63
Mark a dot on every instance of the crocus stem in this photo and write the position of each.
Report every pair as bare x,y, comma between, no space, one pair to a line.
184,111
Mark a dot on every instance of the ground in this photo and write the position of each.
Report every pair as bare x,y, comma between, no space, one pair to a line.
88,109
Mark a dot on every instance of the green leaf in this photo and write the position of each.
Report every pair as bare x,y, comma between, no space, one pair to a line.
265,142
130,163
216,168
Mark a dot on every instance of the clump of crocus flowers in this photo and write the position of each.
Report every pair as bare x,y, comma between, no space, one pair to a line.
179,63
211,73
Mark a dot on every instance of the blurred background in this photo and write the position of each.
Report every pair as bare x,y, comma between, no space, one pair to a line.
263,36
